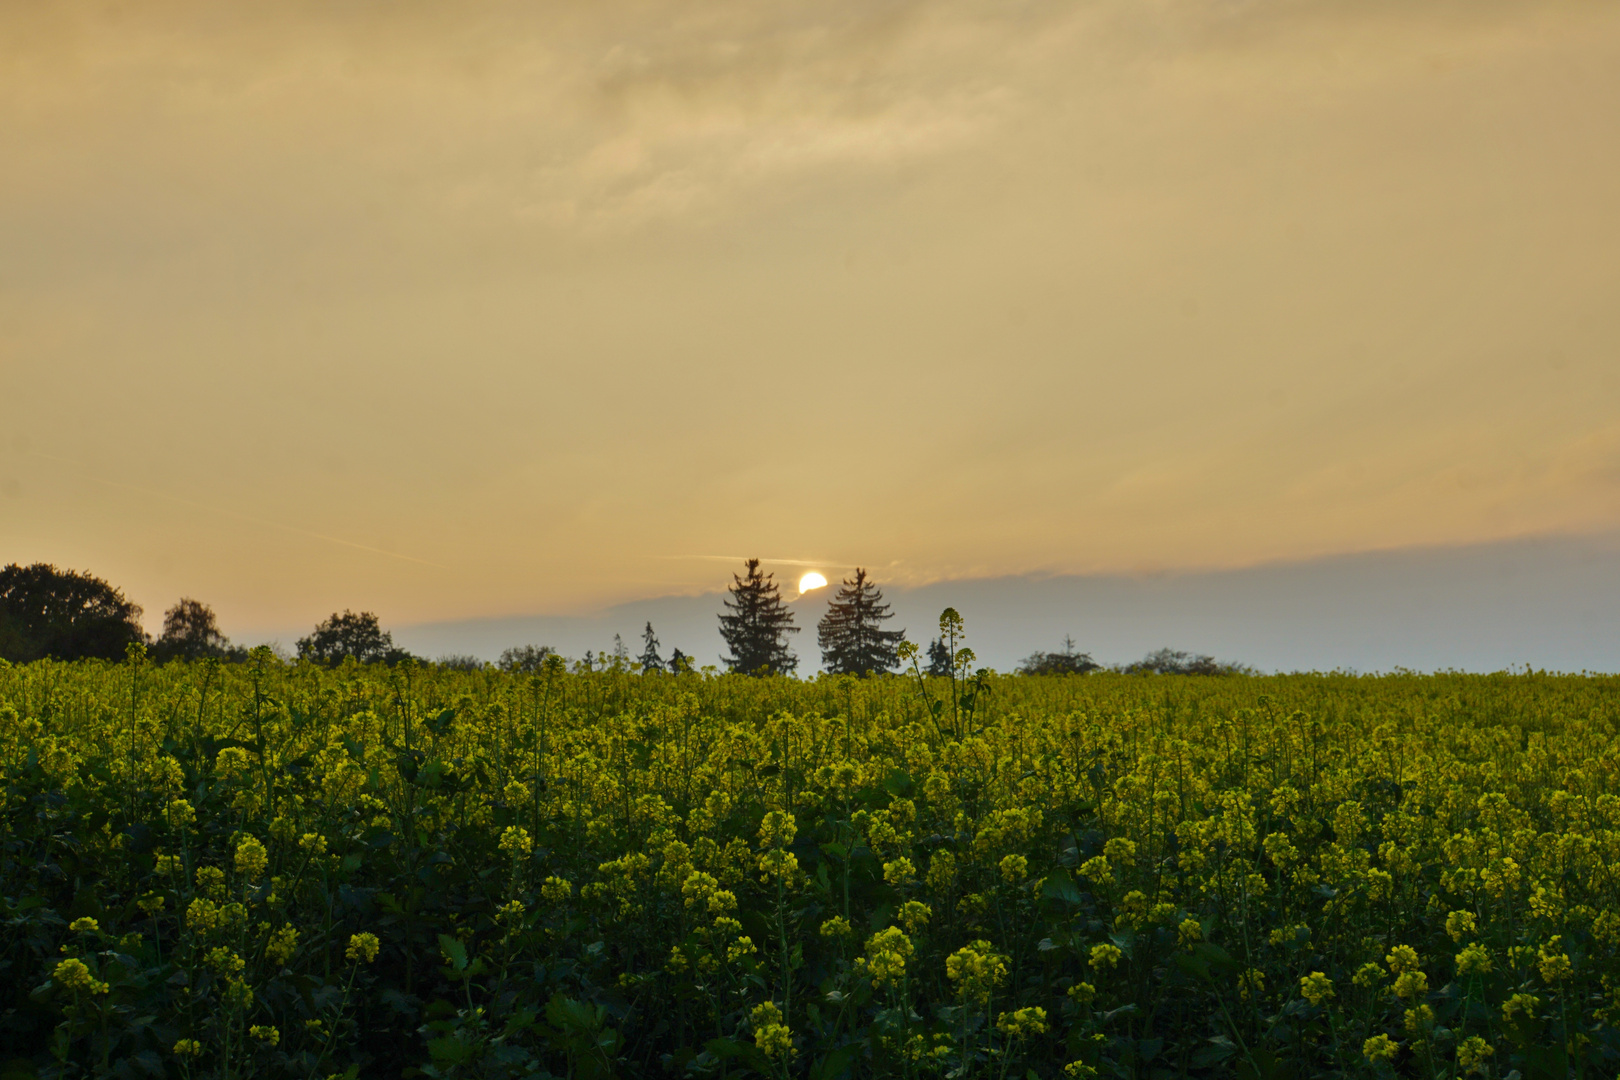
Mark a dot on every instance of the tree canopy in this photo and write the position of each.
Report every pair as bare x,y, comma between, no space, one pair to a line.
350,636
1174,662
756,624
851,634
63,615
1066,661
190,632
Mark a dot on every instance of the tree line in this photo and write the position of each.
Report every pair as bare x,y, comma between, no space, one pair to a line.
72,615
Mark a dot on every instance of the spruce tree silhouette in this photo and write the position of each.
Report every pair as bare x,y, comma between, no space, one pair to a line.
851,635
756,628
650,660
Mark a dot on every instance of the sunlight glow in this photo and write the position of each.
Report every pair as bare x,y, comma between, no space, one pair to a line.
810,581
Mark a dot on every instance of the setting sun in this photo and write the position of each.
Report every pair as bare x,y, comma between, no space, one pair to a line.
810,581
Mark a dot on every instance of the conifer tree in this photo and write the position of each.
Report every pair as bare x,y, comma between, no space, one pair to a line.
851,635
756,625
939,658
650,660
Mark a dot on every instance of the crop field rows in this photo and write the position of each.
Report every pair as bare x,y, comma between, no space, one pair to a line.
283,870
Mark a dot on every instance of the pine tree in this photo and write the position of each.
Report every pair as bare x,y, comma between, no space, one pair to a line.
757,626
851,636
939,658
650,660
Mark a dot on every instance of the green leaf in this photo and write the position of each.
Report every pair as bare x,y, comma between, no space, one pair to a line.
1059,885
454,951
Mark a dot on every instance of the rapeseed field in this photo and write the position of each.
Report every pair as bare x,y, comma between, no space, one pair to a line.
282,870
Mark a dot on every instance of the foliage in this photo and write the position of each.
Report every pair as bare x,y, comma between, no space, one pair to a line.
851,634
350,637
650,660
63,615
191,632
282,869
755,626
525,658
1063,662
1172,662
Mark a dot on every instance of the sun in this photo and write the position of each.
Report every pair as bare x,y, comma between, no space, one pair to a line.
812,580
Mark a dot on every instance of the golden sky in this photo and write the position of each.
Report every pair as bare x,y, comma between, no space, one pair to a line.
455,310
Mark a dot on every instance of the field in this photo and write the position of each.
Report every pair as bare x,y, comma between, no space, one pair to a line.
278,870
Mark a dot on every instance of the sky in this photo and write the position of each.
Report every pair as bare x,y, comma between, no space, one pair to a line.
501,310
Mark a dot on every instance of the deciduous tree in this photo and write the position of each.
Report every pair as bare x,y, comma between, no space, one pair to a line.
348,636
64,615
190,632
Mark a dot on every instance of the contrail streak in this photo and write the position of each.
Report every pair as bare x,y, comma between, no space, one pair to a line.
763,559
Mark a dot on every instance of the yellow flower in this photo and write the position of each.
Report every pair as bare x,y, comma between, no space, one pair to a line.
238,994
1252,981
976,970
314,843
181,813
836,927
1022,1022
1380,1048
1190,932
251,859
362,947
1079,1070
72,974
1471,1054
1411,985
1460,924
743,946
941,870
778,865
1120,851
152,903
188,1048
1555,966
1368,975
777,829
1402,958
914,915
269,1035
1419,1020
85,925
516,842
1316,987
900,872
1473,960
556,890
1014,868
885,958
281,946
1097,870
1520,1005
202,916
771,1034
225,962
211,882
